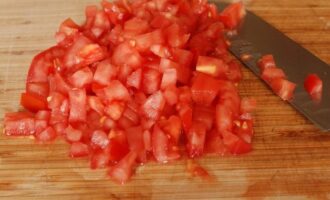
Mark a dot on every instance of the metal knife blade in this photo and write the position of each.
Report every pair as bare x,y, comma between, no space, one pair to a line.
256,38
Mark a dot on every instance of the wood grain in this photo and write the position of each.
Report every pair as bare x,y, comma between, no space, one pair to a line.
291,158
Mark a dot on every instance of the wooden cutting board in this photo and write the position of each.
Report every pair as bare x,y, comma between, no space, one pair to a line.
291,158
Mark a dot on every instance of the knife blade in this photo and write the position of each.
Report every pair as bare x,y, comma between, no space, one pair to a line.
256,37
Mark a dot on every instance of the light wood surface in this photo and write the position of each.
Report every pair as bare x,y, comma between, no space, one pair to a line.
291,158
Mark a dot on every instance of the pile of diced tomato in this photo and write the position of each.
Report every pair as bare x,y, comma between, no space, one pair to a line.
139,81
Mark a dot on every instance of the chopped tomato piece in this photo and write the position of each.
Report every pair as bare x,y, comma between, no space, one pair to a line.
19,124
73,135
233,15
235,144
78,103
150,81
272,73
169,78
115,91
122,172
79,149
40,89
267,61
100,139
196,139
125,54
153,106
115,110
314,86
46,135
135,79
105,72
283,88
33,102
204,89
212,66
81,78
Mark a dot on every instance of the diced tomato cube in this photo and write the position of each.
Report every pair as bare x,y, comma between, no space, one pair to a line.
99,160
235,144
135,139
105,72
211,66
171,95
160,50
234,72
173,127
115,110
267,61
183,72
150,81
135,79
147,140
160,146
175,36
314,86
283,88
78,101
43,115
232,15
272,73
115,91
196,139
73,135
153,106
95,104
169,78
79,149
145,41
125,54
58,84
33,102
204,115
100,139
46,135
136,26
214,144
204,89
81,78
123,171
186,114
223,118
40,89
118,146
19,124
183,57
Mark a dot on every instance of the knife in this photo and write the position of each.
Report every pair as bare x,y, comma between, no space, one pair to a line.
257,38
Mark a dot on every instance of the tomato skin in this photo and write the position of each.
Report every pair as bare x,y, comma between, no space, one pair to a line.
135,139
186,114
78,101
314,86
33,102
19,124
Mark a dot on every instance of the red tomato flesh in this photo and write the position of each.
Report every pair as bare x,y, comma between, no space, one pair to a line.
140,81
